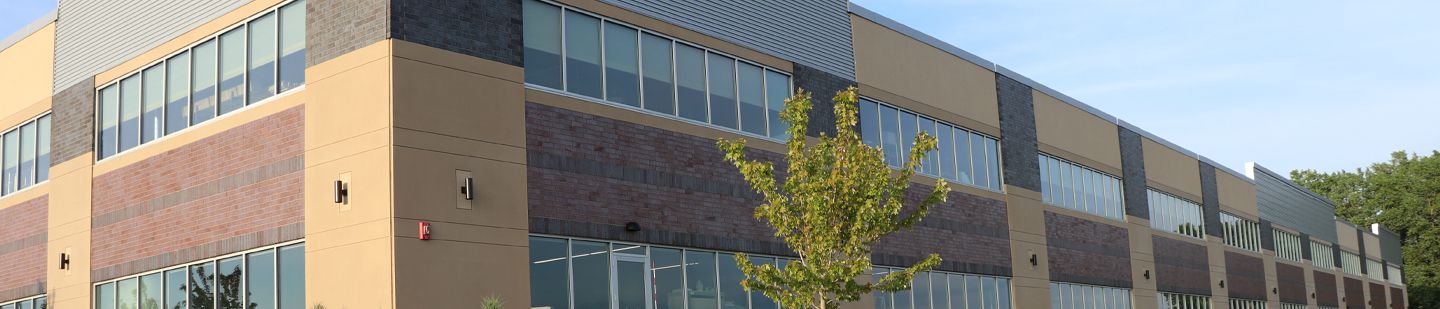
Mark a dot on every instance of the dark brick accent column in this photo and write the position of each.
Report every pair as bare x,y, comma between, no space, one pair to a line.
1305,246
1335,252
1017,130
1132,162
336,27
73,131
1364,261
1211,200
488,29
822,87
1384,274
1267,235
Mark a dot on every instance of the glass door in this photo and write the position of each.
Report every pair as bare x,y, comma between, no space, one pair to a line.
631,285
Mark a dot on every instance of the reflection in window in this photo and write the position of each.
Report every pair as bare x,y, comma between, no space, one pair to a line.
549,280
591,269
177,92
202,74
723,109
582,55
659,78
777,89
291,276
127,294
542,45
732,294
175,288
752,98
1081,296
152,105
129,113
669,278
152,291
1073,186
690,78
232,70
292,45
261,47
260,280
934,289
622,65
257,280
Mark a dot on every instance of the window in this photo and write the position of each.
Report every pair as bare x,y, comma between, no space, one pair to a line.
1236,303
25,154
604,274
1350,263
1241,233
1287,246
964,156
1394,272
645,70
1176,215
1076,187
257,60
1183,301
1082,296
259,279
1320,255
1291,306
1374,270
938,290
38,302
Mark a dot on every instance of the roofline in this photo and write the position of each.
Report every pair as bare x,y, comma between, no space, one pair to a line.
1252,168
29,29
873,16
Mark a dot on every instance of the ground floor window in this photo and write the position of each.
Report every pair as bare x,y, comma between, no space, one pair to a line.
942,290
266,278
1237,303
37,302
1183,301
1065,295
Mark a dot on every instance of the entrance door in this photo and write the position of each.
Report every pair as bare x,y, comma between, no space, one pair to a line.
631,286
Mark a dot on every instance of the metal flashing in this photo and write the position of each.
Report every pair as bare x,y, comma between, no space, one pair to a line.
29,29
1252,167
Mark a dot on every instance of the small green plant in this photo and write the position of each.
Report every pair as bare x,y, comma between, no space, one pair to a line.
492,302
318,306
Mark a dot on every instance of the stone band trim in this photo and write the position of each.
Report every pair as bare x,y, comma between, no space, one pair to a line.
31,290
227,183
38,239
221,247
969,268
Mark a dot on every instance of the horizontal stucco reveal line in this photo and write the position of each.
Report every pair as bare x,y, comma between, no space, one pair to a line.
241,179
213,249
37,239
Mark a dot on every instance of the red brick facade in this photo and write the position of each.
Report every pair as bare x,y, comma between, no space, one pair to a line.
229,192
1377,296
1083,251
1326,293
1180,266
1291,279
1397,298
1354,293
970,232
1245,276
22,248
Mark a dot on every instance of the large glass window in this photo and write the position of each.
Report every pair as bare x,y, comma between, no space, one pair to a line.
667,266
582,55
1237,303
28,303
1183,301
723,109
42,149
11,159
27,155
1241,233
1077,187
658,67
263,56
890,135
1174,214
1082,296
963,156
256,280
701,280
690,76
732,294
935,289
1321,255
752,98
542,45
1350,263
1374,270
1394,274
1287,246
622,64
777,89
590,268
549,273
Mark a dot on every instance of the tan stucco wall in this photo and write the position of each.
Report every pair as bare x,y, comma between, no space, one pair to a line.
1372,246
1080,133
1174,171
69,232
925,74
1348,239
1236,194
26,71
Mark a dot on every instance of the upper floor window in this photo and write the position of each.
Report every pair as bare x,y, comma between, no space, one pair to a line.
1287,246
1375,270
1074,186
38,302
1320,255
246,64
1350,263
1084,296
1176,215
25,155
933,289
1237,303
268,278
1241,233
1284,305
965,156
583,54
1183,301
1394,273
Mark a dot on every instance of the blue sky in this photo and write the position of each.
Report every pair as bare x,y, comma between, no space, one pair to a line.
1324,85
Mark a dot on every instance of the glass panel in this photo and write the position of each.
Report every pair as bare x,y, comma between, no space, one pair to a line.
591,270
723,109
105,296
904,300
939,294
1045,191
1056,197
152,291
262,58
129,113
1004,293
11,159
232,70
732,295
990,292
27,155
229,276
109,115
927,125
957,291
657,67
542,44
630,284
992,159
152,101
202,76
177,92
27,304
759,300
292,45
1054,296
977,154
292,276
669,279
964,165
42,154
890,134
260,280
175,293
622,65
7,306
582,56
127,294
690,78
777,89
202,286
907,135
920,287
752,98
972,292
700,280
549,281
868,116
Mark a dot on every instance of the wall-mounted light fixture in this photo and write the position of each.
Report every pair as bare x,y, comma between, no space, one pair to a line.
1147,274
342,192
1034,260
1222,283
632,226
64,261
1274,290
467,188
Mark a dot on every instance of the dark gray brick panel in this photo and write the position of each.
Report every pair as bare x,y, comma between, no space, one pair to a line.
822,87
1245,276
1360,238
1132,163
488,29
336,27
1181,267
1305,246
1017,133
1211,200
1326,292
1083,251
73,130
1267,235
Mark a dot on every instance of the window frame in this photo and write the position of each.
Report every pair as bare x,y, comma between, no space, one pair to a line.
34,175
955,130
212,262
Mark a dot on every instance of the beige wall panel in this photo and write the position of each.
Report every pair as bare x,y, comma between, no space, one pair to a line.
25,113
1236,193
1348,240
454,274
369,187
349,272
68,231
1171,168
426,189
907,67
1071,129
1372,246
452,102
185,40
353,102
26,71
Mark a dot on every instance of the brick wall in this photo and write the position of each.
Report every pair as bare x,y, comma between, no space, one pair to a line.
1089,252
1017,129
971,234
1326,293
1377,296
1245,276
452,25
1132,162
73,131
1291,280
22,249
336,27
1397,298
236,190
1354,293
822,87
1181,267
1210,199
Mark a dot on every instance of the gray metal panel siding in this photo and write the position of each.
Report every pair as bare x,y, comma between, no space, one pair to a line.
95,35
1390,247
815,33
1289,205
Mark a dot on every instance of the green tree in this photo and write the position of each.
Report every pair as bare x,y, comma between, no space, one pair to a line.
1403,195
838,197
